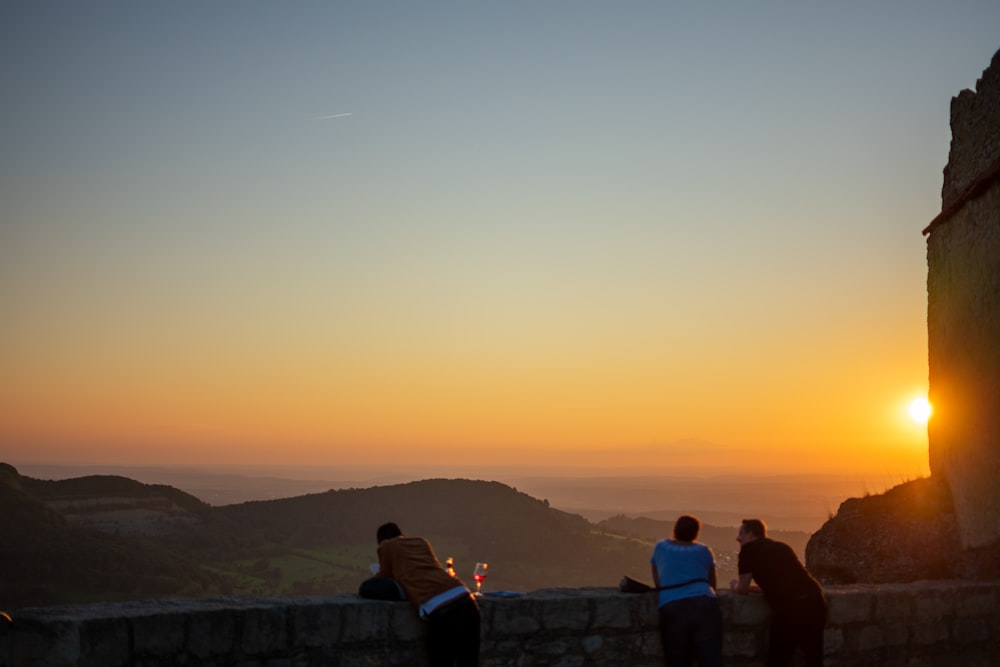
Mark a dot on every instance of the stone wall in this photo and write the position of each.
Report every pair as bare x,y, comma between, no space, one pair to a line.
963,315
921,624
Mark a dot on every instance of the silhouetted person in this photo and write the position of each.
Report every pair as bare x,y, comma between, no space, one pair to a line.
690,617
798,604
450,610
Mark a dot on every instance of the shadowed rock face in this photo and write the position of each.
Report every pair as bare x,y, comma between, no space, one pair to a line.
963,315
947,526
906,534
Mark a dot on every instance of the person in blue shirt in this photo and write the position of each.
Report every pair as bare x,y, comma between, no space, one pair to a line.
690,616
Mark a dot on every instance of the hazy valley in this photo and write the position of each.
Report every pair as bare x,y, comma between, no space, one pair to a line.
87,534
786,502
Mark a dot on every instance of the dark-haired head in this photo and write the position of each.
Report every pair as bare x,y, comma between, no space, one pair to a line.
387,531
686,528
755,527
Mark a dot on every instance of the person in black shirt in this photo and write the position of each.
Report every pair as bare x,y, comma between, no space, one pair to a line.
798,605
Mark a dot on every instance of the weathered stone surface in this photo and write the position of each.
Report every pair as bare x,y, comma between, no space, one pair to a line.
974,143
617,613
930,633
568,627
565,614
749,610
263,630
976,601
314,624
906,534
510,618
104,642
211,633
963,315
970,630
895,602
935,605
855,608
158,634
951,526
371,622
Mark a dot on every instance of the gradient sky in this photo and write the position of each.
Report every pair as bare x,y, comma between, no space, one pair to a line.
644,235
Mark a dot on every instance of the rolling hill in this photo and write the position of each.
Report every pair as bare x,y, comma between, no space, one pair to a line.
109,538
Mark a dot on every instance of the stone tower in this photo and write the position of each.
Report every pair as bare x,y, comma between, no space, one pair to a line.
963,314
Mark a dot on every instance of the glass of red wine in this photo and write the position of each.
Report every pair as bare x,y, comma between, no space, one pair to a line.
479,575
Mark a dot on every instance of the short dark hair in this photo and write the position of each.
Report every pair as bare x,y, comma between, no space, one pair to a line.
387,531
686,528
755,527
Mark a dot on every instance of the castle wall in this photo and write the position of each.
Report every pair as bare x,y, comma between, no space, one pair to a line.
963,315
926,623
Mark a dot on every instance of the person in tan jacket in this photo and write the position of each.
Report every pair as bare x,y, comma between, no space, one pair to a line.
441,599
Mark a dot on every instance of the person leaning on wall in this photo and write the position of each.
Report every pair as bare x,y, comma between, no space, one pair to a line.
798,604
451,612
690,616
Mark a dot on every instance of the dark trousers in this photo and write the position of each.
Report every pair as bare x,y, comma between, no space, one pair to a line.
691,628
453,634
798,627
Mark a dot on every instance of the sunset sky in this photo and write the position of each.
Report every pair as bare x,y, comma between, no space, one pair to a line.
619,235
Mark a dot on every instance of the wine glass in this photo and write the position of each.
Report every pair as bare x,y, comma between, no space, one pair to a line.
479,574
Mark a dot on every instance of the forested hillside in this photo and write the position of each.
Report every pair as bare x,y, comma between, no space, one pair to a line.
45,559
107,538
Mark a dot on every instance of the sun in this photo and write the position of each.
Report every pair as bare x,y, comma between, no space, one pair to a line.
920,410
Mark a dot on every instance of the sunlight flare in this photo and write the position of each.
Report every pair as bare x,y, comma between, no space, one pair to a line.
920,410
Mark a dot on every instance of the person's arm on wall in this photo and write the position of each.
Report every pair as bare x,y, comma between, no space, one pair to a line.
742,585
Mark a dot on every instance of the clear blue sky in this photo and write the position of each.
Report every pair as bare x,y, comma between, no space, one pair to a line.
331,231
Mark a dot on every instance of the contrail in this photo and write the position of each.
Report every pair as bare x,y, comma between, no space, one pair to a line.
335,115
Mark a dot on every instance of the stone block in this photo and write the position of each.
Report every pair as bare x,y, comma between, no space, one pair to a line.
51,642
158,635
636,646
368,620
872,637
976,601
929,633
894,603
970,630
749,610
104,642
551,651
617,613
855,608
211,632
833,641
592,644
934,604
501,653
406,624
742,643
263,630
513,618
566,614
314,624
650,644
